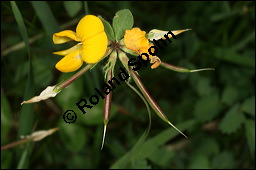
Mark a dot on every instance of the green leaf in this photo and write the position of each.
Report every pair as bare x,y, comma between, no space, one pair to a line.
224,160
123,20
86,8
21,25
230,95
77,162
72,135
233,57
126,159
207,108
208,147
5,118
23,162
162,156
250,134
42,73
140,164
108,29
204,87
93,116
232,121
151,145
27,113
6,160
46,17
222,16
249,106
199,162
72,7
70,95
243,43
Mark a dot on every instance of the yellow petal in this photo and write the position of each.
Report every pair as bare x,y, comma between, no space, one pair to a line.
64,36
156,62
88,27
70,62
157,34
70,50
94,48
135,40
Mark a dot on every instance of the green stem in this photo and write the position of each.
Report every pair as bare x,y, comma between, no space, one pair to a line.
15,143
182,69
73,78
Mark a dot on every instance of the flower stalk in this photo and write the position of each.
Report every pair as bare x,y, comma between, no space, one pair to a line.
182,69
16,143
73,78
35,136
52,91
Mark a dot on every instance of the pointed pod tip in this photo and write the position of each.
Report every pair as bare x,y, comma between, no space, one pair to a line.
104,134
176,128
203,69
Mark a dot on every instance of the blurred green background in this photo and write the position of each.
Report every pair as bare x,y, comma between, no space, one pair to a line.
216,109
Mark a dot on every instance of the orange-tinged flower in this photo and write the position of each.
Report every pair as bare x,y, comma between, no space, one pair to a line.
91,47
136,40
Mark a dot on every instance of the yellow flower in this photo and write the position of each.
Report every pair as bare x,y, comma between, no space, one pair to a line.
136,40
90,49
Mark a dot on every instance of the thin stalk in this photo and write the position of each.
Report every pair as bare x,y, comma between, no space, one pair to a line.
73,78
10,145
182,69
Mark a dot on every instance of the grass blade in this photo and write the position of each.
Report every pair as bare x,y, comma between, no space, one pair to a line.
86,8
46,17
26,115
153,144
122,162
21,25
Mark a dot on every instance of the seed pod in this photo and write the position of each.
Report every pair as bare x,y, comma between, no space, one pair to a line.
107,109
151,101
124,59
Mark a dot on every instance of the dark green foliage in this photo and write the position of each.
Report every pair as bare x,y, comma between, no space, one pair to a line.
215,109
